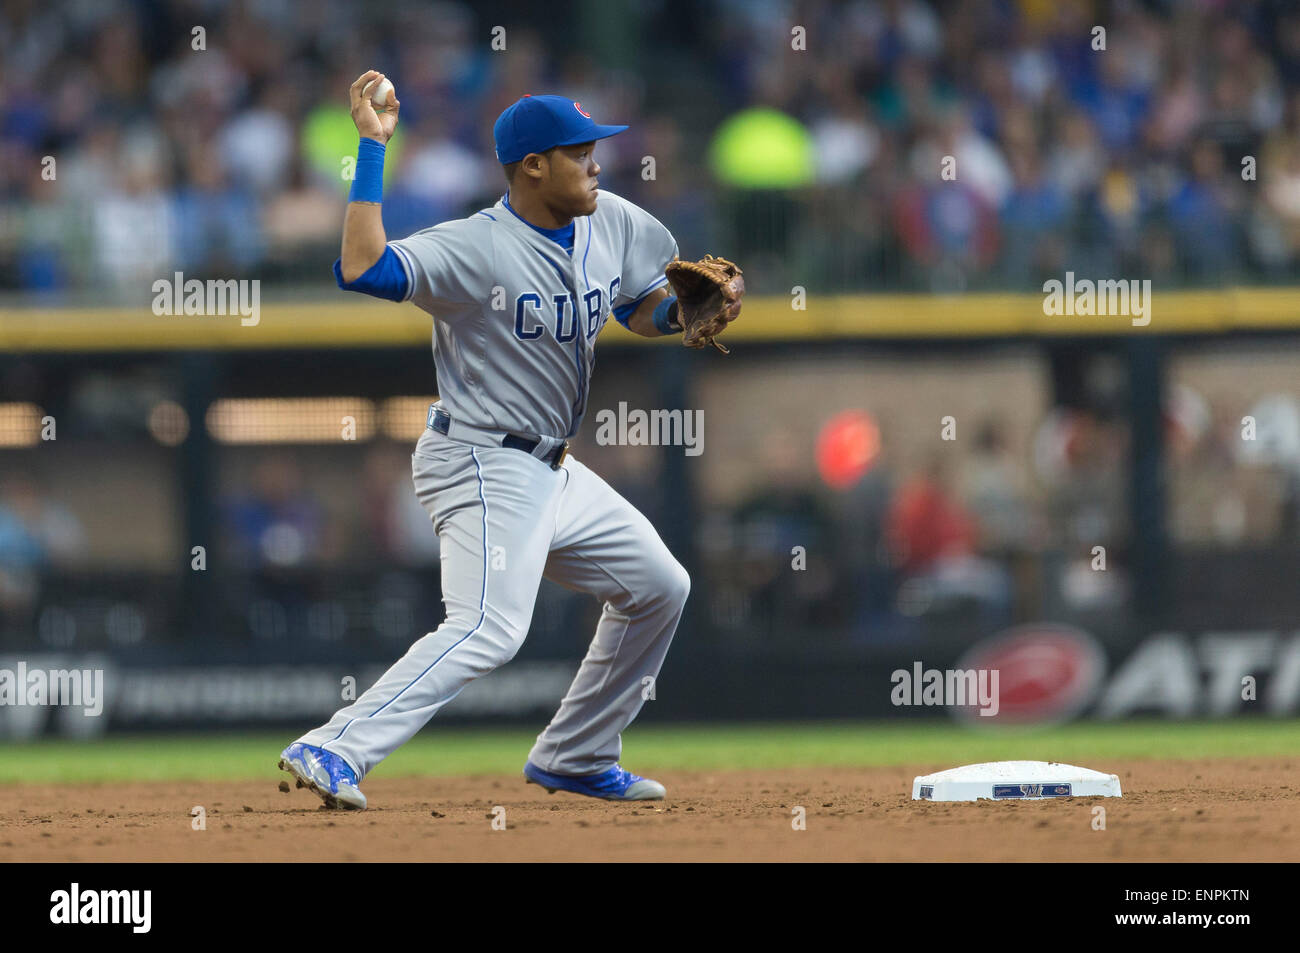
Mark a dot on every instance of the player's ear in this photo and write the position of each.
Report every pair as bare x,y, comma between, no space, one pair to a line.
534,165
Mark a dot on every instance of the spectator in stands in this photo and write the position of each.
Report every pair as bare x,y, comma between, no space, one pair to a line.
278,523
35,535
934,539
784,512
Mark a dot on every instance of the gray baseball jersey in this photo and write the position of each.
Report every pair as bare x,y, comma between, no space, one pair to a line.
517,318
515,322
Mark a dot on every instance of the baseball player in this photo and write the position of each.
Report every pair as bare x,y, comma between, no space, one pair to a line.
518,293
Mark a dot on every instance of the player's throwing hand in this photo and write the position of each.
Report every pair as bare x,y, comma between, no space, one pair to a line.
372,124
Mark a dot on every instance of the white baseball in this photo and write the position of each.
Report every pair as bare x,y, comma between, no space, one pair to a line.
380,95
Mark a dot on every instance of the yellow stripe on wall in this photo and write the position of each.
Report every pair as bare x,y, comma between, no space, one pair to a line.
360,322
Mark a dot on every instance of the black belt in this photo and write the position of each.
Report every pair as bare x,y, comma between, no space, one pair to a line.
441,422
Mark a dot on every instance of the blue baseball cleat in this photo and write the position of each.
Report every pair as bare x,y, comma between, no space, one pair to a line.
612,785
325,773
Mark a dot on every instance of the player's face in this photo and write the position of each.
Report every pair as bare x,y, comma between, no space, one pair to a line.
571,186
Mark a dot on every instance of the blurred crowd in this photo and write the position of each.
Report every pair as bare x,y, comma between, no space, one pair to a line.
1153,139
37,534
1004,526
974,540
813,138
1018,527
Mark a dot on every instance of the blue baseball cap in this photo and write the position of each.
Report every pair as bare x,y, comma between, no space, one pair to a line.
538,123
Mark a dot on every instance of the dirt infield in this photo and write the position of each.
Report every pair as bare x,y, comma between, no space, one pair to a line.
1171,811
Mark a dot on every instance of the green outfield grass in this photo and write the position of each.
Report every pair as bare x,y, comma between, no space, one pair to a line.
442,750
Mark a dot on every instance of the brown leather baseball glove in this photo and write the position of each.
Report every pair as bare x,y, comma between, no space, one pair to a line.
708,298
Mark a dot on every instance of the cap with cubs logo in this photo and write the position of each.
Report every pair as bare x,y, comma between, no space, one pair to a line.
538,123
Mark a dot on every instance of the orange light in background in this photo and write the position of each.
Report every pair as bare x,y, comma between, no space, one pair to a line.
404,418
292,420
20,425
168,423
847,448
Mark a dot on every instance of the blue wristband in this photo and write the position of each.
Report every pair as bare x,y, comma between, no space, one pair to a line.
368,178
661,316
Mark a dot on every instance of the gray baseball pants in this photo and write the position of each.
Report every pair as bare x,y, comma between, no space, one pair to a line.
505,519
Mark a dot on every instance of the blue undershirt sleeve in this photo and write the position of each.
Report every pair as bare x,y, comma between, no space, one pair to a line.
623,313
386,278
